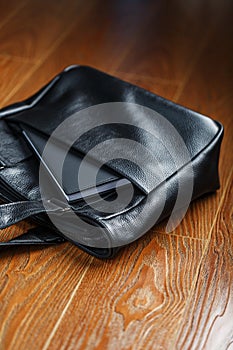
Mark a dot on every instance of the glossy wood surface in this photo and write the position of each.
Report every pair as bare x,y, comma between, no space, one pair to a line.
165,291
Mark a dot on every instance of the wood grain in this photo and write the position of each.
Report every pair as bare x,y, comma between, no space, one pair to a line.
92,42
209,311
147,292
30,34
12,72
8,9
165,291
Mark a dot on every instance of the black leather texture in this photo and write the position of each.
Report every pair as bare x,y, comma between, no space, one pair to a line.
73,90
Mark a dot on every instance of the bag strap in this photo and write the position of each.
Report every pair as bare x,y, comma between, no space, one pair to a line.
35,236
11,213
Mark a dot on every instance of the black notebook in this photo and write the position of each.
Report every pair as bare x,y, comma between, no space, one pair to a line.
106,180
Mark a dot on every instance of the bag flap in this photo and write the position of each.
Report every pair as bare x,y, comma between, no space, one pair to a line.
166,134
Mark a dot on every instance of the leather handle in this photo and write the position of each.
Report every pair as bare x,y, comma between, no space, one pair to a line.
11,213
29,103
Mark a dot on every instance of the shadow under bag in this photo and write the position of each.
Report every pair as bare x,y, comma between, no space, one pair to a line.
115,121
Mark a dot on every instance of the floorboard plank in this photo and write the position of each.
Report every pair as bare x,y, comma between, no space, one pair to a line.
207,321
29,311
208,315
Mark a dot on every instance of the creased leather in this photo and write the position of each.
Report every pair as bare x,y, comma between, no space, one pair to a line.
12,150
73,90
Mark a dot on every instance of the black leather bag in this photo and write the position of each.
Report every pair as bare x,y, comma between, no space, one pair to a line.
159,179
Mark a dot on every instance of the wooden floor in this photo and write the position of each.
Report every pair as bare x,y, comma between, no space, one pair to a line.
166,291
